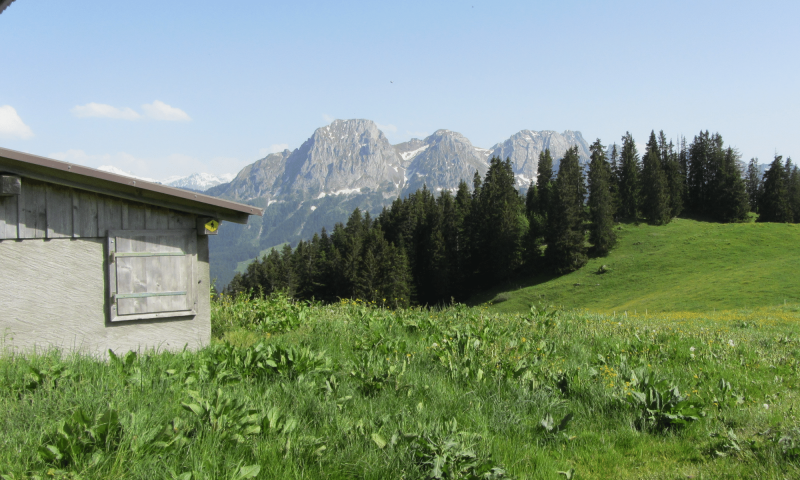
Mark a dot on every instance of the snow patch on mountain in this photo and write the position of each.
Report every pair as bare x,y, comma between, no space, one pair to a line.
119,171
413,153
199,181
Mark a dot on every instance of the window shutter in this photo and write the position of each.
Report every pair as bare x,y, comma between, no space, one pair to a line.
152,273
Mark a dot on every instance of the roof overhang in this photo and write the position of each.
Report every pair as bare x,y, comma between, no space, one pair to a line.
120,186
4,4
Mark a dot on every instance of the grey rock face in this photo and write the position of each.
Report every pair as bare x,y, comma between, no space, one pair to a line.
258,180
344,157
441,161
524,147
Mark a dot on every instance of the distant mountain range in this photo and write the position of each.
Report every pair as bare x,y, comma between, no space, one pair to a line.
199,182
351,163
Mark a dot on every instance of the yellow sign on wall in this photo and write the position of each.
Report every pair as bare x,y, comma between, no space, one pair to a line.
212,226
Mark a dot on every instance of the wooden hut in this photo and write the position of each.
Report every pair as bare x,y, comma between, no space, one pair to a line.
90,260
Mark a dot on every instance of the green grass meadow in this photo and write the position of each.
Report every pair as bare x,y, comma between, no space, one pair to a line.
686,265
354,391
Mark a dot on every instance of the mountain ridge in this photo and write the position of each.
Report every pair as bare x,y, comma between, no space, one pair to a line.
351,164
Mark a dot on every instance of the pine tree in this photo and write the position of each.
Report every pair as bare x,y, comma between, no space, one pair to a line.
601,208
753,184
502,225
629,179
731,193
566,248
794,194
699,164
613,180
655,198
537,207
674,174
774,205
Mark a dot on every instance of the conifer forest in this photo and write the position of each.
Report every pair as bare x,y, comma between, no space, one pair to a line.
431,250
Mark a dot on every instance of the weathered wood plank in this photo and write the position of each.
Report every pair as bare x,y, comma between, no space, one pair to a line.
76,214
8,217
136,217
109,215
59,211
156,218
86,224
33,211
180,221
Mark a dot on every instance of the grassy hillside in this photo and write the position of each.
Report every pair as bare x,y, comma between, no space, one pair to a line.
686,265
351,391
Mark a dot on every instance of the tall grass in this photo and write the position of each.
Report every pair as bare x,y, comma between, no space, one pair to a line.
292,390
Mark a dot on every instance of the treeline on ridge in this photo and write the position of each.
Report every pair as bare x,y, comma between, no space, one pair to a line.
426,249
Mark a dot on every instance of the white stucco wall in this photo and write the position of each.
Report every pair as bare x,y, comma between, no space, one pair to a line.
53,294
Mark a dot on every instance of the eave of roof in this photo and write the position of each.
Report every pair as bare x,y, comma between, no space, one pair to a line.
4,4
78,176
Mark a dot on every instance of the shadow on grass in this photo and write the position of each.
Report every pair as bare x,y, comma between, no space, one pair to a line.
517,283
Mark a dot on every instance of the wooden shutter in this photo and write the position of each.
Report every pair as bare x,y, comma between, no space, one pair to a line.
152,273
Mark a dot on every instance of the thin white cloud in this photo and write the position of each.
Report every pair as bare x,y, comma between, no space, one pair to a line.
274,148
328,118
387,128
11,125
102,110
159,110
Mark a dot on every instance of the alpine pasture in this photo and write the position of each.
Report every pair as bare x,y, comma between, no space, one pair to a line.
353,390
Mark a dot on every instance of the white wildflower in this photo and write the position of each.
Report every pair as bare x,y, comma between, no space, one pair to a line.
691,349
730,343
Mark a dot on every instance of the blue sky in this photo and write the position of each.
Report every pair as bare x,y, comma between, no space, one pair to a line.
175,87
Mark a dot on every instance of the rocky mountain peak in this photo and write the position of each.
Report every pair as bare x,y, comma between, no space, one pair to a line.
441,161
524,147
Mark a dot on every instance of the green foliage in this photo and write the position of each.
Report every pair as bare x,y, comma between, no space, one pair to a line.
551,429
774,203
601,203
229,417
448,456
655,193
486,395
275,313
629,184
566,249
660,404
82,438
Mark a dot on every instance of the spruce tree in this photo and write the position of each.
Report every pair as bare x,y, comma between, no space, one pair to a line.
794,194
629,179
537,207
655,198
601,208
774,205
699,164
544,186
566,247
674,174
502,226
613,180
753,184
731,193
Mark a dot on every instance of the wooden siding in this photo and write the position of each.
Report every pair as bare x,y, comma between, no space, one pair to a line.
45,210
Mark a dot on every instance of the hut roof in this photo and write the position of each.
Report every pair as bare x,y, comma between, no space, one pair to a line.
91,179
